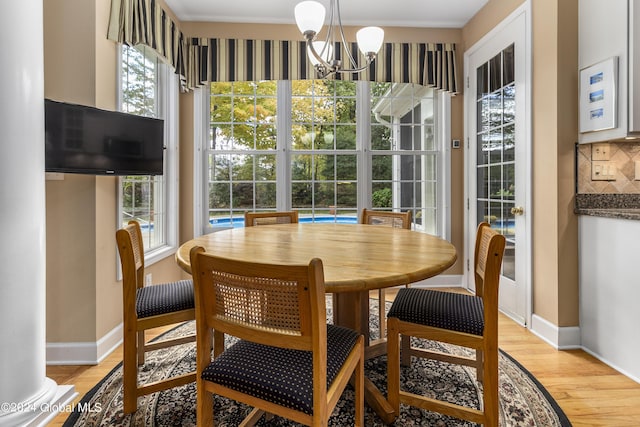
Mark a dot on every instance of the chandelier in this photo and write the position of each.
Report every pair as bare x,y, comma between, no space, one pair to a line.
310,18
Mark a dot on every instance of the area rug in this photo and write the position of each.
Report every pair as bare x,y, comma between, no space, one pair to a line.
523,400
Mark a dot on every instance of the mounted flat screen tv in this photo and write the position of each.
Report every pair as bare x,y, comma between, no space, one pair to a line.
88,140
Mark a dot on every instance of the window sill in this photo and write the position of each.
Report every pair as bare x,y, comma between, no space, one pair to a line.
158,255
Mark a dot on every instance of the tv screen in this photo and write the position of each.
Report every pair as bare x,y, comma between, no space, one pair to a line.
82,139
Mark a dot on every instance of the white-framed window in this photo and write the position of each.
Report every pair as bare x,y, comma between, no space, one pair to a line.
147,86
325,148
406,156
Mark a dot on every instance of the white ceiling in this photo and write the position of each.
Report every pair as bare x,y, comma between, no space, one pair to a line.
401,13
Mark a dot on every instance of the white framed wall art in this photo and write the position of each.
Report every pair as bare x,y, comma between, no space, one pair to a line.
598,93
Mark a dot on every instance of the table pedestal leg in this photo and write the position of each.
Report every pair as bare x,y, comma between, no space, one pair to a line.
351,309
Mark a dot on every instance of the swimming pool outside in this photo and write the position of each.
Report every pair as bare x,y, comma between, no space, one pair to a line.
239,222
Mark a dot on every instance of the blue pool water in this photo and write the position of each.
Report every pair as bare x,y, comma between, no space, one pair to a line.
509,223
239,222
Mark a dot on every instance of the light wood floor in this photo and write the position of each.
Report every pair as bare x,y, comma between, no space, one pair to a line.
587,390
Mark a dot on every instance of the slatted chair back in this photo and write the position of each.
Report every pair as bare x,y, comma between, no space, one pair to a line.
465,320
488,256
391,219
131,248
268,218
272,306
388,219
147,307
268,304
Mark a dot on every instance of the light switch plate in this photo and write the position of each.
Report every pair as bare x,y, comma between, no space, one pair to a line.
600,151
597,169
603,171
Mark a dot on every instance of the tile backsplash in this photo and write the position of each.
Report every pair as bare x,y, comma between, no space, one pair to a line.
624,155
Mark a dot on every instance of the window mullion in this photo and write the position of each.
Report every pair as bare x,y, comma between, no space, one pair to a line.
200,160
159,182
283,146
363,143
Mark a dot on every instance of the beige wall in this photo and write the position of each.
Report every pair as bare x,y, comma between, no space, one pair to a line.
291,32
567,119
554,112
494,12
70,204
84,300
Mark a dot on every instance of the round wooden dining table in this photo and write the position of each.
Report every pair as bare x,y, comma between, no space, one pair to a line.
357,258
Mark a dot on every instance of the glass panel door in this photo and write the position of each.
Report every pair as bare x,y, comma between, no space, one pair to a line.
495,128
499,143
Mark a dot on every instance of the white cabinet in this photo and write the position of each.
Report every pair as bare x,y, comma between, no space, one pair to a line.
610,291
608,29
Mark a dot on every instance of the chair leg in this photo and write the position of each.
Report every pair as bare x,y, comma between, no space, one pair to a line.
490,392
405,353
130,370
381,313
359,389
204,405
140,348
393,365
480,366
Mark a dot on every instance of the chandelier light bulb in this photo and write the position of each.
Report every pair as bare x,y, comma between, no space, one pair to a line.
370,39
309,16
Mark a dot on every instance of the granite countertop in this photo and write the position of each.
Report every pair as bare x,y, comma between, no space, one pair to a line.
624,206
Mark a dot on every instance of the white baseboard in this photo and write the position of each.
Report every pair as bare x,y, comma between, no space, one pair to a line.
561,338
84,353
440,281
612,365
568,338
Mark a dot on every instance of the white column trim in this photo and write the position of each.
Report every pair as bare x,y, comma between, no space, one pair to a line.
40,409
27,396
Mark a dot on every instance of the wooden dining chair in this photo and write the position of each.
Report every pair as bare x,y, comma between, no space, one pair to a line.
465,320
388,219
266,218
287,361
146,307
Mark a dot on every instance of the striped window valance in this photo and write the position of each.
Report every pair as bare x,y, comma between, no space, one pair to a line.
199,60
427,64
136,22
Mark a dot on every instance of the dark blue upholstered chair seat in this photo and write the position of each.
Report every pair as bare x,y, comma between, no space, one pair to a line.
282,376
446,310
165,298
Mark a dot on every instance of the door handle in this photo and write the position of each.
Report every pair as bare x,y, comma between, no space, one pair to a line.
517,210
